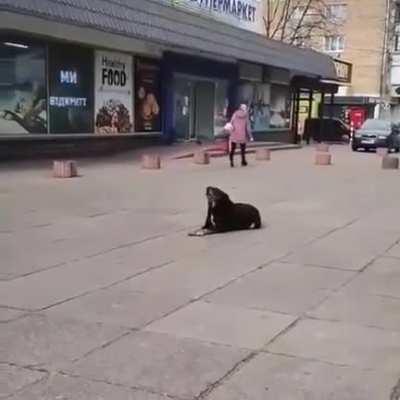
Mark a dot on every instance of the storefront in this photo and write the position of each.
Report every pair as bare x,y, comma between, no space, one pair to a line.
63,89
93,78
200,92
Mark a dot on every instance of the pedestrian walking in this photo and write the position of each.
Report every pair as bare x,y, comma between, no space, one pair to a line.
239,133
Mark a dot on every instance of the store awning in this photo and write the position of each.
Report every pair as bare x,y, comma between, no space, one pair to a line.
166,25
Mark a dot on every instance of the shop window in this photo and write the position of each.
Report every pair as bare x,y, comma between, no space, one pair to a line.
114,93
147,95
257,98
71,76
221,106
23,92
280,106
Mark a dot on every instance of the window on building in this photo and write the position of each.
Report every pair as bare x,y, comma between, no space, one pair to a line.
280,106
336,12
298,12
395,75
23,97
269,105
396,42
220,105
334,43
397,13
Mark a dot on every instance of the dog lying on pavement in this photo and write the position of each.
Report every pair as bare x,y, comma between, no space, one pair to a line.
223,215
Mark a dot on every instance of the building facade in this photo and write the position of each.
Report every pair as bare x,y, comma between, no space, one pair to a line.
81,74
364,33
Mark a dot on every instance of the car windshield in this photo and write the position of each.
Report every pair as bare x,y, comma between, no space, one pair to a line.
376,124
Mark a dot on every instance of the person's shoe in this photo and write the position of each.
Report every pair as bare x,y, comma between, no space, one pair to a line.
244,163
232,164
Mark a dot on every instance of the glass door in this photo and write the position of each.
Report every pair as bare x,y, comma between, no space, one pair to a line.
184,108
204,98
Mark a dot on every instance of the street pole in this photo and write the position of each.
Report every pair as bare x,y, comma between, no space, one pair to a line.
383,84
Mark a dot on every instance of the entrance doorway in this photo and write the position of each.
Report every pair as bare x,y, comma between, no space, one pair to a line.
194,104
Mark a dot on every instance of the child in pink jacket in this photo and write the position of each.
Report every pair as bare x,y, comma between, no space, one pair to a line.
240,133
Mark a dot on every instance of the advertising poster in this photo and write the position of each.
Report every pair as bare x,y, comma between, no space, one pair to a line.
114,96
71,76
147,95
23,96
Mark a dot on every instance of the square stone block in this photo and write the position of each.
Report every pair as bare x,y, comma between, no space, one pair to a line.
65,169
222,324
272,377
342,343
160,363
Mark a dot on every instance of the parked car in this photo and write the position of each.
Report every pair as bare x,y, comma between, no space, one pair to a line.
376,133
333,130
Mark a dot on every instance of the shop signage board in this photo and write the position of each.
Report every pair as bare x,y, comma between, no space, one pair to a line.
71,81
114,93
147,95
246,14
343,70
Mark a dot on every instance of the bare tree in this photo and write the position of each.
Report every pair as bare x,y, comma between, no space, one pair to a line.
298,22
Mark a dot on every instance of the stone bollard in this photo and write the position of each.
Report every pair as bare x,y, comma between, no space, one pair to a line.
322,147
263,154
201,157
382,151
223,144
65,169
323,159
151,161
389,162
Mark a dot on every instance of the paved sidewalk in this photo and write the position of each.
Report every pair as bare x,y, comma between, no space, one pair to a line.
104,296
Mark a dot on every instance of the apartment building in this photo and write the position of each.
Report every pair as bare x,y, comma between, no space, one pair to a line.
361,39
369,38
362,33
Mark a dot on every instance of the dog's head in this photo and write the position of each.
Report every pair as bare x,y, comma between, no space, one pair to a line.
216,196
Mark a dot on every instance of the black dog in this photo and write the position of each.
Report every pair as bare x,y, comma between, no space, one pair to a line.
223,215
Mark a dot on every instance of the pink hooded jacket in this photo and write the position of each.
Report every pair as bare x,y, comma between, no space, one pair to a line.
241,130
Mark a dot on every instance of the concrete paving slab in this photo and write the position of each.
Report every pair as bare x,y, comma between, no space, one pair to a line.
40,341
394,251
162,363
7,314
119,305
58,387
76,239
381,278
67,281
13,379
115,204
223,324
361,308
342,343
198,275
282,287
270,377
340,249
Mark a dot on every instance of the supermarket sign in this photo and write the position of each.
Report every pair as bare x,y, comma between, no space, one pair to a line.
240,9
246,14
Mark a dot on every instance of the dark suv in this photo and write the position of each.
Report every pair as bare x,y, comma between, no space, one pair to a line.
333,130
376,133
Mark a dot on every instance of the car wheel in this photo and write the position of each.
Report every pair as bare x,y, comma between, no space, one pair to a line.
354,148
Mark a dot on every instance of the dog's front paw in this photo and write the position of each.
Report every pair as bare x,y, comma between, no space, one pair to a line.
198,232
